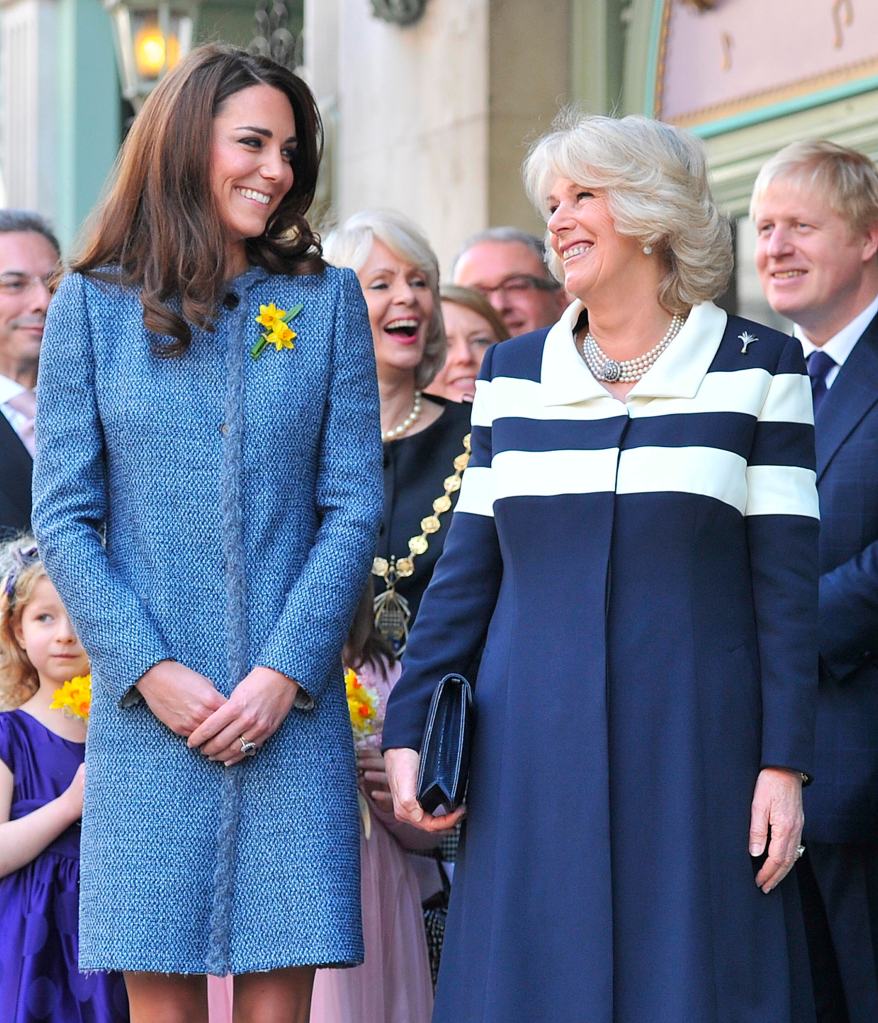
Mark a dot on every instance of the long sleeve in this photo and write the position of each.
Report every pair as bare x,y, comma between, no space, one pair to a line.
848,617
305,642
70,502
457,607
782,526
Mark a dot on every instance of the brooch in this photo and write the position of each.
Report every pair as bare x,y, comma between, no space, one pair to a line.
746,339
277,330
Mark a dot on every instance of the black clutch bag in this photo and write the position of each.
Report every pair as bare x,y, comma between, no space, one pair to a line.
445,748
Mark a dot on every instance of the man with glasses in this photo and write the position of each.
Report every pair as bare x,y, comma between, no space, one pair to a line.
29,255
508,267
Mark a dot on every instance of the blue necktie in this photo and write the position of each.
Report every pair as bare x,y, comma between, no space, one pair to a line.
819,364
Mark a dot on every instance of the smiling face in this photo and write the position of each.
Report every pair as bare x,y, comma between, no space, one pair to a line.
469,336
254,138
47,637
400,305
26,260
513,279
599,264
813,267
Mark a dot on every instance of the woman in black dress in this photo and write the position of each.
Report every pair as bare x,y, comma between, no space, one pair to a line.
426,449
426,439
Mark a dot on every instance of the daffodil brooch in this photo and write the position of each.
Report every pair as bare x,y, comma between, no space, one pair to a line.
746,340
277,330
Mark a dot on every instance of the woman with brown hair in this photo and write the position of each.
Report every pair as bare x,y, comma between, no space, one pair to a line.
471,327
207,491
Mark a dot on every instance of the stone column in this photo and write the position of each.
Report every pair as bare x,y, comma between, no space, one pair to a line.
28,89
433,119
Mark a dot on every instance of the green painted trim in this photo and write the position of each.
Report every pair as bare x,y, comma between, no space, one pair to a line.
791,106
87,112
655,37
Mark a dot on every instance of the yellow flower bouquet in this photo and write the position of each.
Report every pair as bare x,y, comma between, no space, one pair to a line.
362,706
73,698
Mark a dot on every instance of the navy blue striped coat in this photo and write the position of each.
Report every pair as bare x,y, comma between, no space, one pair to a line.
644,578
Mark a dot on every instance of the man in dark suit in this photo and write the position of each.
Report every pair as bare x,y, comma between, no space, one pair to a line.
29,255
815,206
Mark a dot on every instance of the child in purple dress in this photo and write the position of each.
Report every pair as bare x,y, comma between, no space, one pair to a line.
41,785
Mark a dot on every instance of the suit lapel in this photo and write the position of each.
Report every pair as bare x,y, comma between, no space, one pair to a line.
853,393
16,455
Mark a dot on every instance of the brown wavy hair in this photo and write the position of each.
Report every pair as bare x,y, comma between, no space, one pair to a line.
20,570
158,228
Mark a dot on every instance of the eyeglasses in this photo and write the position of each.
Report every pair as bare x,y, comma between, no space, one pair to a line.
15,283
517,284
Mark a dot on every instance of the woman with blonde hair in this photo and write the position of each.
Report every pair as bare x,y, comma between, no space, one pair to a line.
425,438
635,546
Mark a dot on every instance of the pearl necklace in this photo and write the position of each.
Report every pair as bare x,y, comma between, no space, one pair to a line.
627,370
407,423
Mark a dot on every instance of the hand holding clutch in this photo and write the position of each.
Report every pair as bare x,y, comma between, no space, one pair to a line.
443,771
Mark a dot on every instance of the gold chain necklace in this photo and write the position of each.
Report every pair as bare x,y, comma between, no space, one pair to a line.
392,611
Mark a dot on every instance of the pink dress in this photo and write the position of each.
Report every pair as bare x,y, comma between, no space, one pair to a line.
393,984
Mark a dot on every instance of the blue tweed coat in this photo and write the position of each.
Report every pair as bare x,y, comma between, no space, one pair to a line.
239,500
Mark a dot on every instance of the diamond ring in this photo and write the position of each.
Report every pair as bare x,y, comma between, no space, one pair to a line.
249,749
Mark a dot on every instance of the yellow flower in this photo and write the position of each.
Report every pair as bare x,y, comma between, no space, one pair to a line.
282,337
362,704
74,697
277,332
269,315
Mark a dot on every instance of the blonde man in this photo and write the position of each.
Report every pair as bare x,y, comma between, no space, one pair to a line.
815,206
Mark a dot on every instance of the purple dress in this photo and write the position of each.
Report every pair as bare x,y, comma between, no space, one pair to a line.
39,979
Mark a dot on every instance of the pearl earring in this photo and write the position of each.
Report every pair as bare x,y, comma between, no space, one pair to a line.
647,250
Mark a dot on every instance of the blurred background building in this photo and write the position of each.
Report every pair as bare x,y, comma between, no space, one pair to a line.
430,105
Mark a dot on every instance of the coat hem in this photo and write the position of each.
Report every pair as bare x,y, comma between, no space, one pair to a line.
265,965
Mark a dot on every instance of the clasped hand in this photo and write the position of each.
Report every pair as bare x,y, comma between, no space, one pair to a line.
191,706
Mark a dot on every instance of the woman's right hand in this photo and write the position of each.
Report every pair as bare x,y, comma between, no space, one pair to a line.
73,794
402,775
179,697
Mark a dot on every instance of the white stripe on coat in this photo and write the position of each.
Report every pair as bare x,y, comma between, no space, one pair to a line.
476,492
710,472
784,397
704,471
781,490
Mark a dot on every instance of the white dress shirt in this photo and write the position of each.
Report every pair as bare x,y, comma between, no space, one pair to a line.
10,389
840,345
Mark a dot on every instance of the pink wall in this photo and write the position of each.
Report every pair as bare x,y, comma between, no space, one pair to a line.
744,54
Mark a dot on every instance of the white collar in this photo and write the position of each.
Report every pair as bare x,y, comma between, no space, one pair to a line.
8,389
840,345
677,374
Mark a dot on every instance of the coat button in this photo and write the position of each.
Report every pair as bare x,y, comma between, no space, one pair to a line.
224,429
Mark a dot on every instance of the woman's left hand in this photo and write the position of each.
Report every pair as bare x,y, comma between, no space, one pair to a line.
254,712
777,805
373,777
